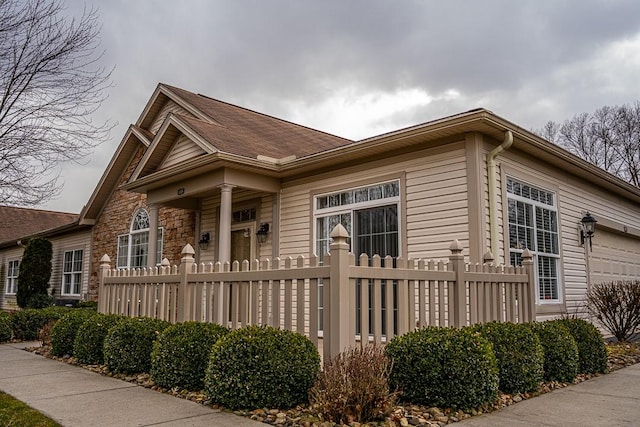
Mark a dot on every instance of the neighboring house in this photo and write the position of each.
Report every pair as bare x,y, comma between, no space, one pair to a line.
238,184
71,244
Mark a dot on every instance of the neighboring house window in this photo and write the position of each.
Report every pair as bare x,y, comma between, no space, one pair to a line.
133,248
12,276
533,224
72,272
370,216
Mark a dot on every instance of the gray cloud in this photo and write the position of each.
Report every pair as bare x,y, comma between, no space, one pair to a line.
307,61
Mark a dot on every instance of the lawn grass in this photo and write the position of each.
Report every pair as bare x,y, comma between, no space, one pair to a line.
14,413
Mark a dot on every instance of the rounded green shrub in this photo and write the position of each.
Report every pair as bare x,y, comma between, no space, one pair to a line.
27,323
181,353
257,367
5,327
519,353
128,344
592,350
560,351
444,367
88,347
63,334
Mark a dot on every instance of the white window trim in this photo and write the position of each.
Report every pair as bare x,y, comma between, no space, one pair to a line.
129,243
534,251
350,209
72,273
133,232
14,288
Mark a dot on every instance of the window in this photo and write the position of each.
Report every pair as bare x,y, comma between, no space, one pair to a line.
12,276
134,247
370,216
533,224
72,272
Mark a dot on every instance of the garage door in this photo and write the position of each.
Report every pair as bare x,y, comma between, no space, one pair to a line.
615,256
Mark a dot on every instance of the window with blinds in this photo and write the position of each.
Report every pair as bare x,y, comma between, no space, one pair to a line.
533,225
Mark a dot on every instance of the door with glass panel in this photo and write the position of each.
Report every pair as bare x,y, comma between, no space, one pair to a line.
376,233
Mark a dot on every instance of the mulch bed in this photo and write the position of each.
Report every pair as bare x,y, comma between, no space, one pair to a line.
620,356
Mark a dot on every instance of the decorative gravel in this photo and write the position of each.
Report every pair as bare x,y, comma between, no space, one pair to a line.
620,355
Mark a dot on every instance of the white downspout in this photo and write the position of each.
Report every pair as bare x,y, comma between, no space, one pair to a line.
491,174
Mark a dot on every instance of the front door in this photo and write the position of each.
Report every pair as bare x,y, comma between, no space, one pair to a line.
241,248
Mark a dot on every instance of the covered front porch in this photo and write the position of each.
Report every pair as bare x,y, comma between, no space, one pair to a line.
236,212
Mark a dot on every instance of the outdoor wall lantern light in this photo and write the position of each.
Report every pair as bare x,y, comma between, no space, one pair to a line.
263,232
588,224
204,241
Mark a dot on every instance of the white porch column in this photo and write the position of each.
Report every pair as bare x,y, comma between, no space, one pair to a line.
153,236
224,234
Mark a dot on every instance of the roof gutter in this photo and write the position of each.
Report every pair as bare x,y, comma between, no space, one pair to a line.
491,174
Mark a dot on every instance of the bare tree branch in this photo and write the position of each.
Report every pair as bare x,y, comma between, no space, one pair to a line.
50,86
609,138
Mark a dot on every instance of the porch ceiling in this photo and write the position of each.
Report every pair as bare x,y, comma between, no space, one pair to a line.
183,190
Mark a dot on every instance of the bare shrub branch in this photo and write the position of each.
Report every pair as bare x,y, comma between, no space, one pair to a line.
616,305
50,85
354,387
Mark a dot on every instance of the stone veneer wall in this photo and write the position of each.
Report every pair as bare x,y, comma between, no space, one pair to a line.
115,219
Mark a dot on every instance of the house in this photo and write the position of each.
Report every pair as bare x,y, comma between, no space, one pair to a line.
237,184
71,245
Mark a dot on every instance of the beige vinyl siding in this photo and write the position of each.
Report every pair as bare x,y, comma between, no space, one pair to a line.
168,107
209,221
436,207
574,198
70,243
59,245
265,214
184,149
295,221
208,224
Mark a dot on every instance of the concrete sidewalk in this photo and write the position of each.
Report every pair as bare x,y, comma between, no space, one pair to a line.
76,397
609,400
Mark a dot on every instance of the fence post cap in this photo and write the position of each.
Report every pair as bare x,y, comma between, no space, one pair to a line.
339,232
188,250
456,247
105,259
488,257
526,254
165,262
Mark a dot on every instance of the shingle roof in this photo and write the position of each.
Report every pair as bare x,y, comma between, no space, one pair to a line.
20,222
247,133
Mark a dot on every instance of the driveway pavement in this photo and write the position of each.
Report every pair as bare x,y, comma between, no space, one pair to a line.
609,400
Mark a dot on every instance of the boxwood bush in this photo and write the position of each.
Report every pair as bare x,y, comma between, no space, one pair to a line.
88,347
128,344
258,367
5,327
592,350
27,323
444,367
560,351
181,353
63,334
519,353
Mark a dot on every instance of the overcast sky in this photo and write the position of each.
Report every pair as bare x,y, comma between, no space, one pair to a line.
360,68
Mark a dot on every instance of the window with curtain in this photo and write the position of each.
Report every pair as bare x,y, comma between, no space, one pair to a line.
533,224
133,247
